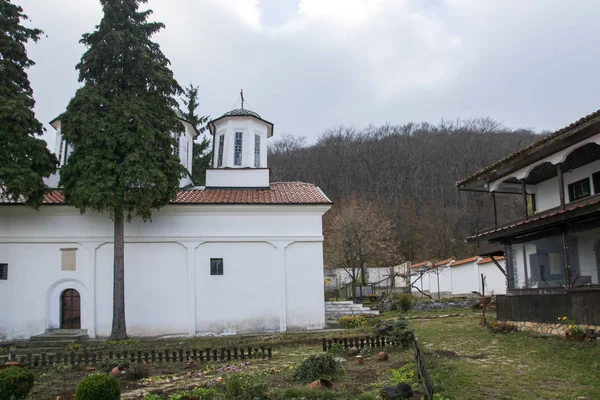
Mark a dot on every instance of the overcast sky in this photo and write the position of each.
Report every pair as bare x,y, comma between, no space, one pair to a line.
307,65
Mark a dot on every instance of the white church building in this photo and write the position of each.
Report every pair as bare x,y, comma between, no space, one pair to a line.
242,254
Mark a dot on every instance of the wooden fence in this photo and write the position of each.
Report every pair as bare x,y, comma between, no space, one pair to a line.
361,343
153,356
425,379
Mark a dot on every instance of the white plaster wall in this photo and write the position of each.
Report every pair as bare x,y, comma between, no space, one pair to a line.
244,298
155,296
32,269
304,286
231,178
495,279
547,192
166,264
465,278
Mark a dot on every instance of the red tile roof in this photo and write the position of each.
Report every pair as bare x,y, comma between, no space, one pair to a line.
464,261
443,262
421,264
533,146
279,193
542,215
489,260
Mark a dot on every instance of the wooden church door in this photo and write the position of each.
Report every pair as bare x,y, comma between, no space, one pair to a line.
70,309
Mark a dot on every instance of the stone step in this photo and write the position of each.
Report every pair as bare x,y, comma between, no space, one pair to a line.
338,302
372,312
50,343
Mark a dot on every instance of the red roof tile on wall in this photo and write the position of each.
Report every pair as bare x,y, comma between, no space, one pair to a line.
464,261
278,193
489,260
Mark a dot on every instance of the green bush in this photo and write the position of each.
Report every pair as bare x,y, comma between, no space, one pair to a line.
405,302
367,396
353,321
245,386
15,383
400,335
317,367
138,371
196,394
98,387
405,374
294,393
152,397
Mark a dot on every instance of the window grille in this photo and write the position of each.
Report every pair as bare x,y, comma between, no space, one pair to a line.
237,153
216,266
257,151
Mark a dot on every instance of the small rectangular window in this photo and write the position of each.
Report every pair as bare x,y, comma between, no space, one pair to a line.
579,189
177,143
216,266
257,151
221,144
237,153
3,272
596,181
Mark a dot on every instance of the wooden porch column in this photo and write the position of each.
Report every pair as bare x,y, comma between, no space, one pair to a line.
565,242
561,186
524,190
495,212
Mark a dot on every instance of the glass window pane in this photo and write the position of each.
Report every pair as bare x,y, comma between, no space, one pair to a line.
537,261
237,153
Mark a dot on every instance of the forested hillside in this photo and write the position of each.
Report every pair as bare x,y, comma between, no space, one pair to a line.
409,170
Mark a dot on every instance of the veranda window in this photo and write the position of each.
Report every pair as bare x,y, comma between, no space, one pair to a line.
537,261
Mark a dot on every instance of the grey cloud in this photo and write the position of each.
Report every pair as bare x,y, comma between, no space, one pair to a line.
527,64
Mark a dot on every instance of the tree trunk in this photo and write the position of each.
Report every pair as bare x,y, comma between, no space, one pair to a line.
119,330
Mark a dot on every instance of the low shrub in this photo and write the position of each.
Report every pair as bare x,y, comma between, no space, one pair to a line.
152,397
405,302
405,374
245,386
98,387
138,371
317,367
15,383
400,335
307,393
195,394
353,321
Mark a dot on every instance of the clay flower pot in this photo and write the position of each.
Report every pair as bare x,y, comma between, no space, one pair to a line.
485,300
359,360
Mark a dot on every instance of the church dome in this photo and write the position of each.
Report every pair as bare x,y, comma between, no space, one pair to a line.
241,112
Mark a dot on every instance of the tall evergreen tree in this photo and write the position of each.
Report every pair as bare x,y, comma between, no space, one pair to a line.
120,126
201,154
24,159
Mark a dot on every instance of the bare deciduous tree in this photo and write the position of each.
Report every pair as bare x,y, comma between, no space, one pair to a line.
359,234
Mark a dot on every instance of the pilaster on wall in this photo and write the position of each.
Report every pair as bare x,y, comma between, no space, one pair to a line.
281,277
91,249
191,284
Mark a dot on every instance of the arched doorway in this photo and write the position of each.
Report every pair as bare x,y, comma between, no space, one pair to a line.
70,309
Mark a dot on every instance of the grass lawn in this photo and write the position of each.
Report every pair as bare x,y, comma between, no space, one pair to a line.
465,362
